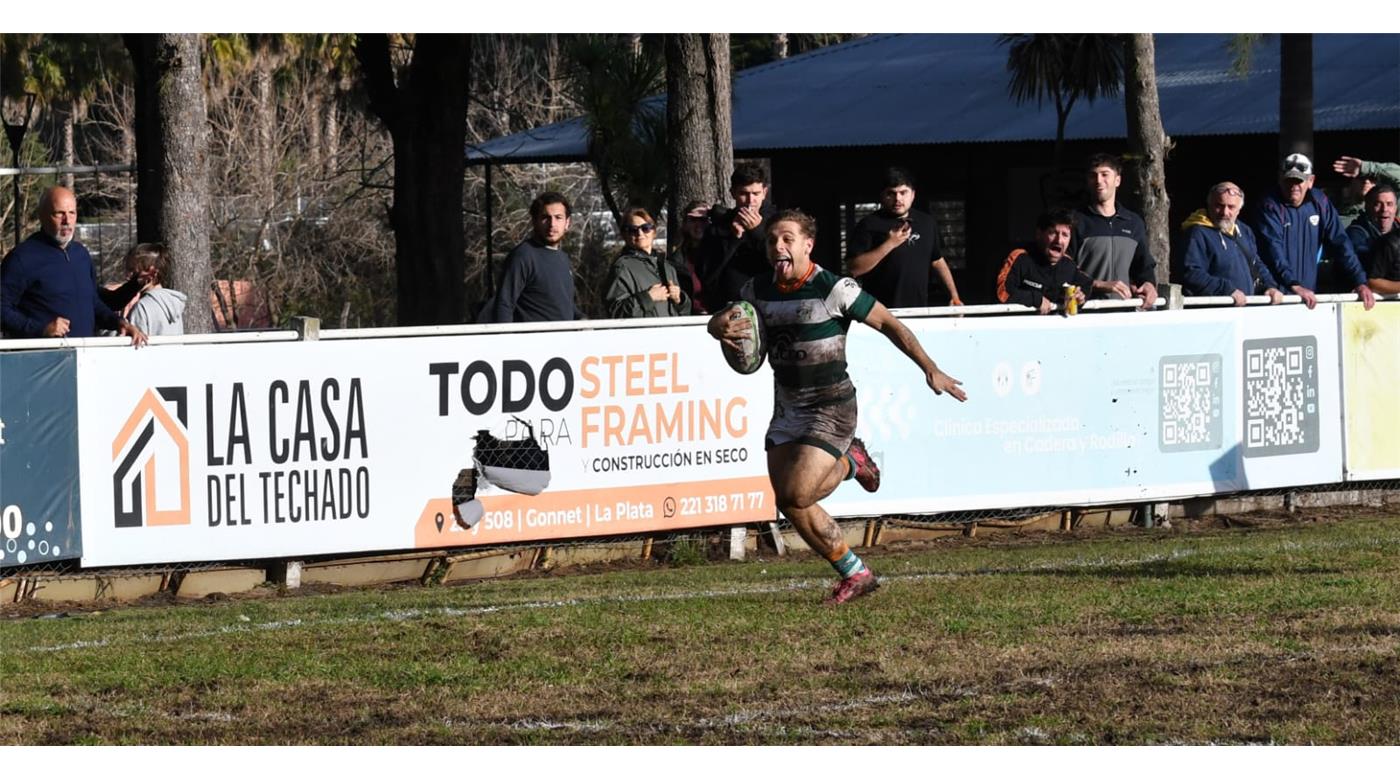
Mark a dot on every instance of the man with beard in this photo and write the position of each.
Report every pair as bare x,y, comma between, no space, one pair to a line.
894,249
1109,241
537,282
1036,275
1295,224
1219,255
811,442
48,287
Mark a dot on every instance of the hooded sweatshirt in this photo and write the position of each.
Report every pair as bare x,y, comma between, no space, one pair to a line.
160,311
1213,262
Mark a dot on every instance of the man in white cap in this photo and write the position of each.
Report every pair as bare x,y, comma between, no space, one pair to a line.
1296,225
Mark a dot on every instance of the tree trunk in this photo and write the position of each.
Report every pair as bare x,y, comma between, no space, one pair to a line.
426,115
698,118
780,46
315,109
634,42
1295,105
1150,145
172,156
68,109
330,134
265,165
553,59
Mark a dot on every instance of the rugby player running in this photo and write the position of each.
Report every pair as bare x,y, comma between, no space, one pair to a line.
811,442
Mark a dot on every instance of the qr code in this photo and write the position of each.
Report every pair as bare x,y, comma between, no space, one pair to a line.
1280,396
1189,387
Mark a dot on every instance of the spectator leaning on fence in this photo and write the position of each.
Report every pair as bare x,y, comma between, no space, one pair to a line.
1378,220
1217,254
537,282
1109,242
48,287
642,284
893,250
158,310
1385,265
1295,225
1361,176
1035,275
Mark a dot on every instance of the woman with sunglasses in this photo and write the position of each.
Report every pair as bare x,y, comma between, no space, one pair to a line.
642,284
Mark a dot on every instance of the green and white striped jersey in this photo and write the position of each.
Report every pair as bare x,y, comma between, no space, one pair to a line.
806,331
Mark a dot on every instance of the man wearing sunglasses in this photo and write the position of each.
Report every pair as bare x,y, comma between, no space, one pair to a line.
1296,225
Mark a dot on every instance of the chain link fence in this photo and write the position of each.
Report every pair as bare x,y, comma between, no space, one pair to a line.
711,543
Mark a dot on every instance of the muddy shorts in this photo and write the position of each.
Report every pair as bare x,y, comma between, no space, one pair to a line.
829,426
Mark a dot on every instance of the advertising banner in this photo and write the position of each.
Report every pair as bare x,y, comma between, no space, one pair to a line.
240,451
245,451
1370,372
1100,408
39,496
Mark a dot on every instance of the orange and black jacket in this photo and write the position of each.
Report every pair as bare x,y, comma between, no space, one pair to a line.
1027,276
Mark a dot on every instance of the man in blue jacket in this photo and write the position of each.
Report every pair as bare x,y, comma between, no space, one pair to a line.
1218,254
48,288
1295,225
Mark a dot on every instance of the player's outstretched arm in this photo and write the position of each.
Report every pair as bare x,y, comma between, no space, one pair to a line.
880,319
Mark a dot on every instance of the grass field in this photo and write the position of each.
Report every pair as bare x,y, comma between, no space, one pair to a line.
1285,632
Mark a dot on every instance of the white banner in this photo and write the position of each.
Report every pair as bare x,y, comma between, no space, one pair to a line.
1098,409
219,452
244,451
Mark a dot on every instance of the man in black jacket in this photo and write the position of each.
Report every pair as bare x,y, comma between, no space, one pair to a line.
1109,242
733,250
1036,275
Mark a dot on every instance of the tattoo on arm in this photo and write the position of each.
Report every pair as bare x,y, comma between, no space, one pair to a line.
905,341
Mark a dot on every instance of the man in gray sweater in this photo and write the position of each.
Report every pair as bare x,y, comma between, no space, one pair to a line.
537,282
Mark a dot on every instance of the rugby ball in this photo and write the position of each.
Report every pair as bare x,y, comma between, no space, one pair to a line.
752,350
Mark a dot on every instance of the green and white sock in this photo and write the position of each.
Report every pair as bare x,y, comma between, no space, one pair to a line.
848,565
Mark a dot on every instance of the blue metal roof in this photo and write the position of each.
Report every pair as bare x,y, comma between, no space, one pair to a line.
930,89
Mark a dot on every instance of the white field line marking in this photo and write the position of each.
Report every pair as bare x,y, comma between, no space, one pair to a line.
394,615
732,720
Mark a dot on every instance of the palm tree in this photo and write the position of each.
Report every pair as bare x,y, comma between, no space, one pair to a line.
65,71
1063,67
626,134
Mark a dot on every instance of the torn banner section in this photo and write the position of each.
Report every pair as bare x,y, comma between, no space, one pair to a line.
517,465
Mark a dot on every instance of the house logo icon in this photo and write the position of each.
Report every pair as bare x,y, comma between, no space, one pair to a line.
151,455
